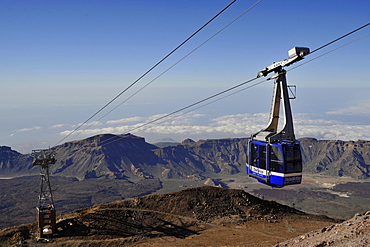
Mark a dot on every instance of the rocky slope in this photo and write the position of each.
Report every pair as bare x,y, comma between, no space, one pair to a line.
12,162
337,158
337,199
203,216
353,232
19,196
130,157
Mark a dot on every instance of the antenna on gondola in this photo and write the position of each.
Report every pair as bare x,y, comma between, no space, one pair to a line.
45,211
274,158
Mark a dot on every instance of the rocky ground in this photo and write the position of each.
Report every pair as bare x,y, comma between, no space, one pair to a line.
202,216
353,232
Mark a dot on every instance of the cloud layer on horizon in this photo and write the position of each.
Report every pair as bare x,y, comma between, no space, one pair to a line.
199,126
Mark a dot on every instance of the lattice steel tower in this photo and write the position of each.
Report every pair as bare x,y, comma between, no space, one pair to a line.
45,211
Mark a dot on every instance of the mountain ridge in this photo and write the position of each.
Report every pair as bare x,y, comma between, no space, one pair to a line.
131,157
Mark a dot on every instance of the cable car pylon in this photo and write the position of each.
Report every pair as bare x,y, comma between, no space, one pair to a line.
274,158
45,211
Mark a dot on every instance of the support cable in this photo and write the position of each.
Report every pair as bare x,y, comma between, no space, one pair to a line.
331,42
241,84
142,88
179,110
303,63
110,140
147,72
183,113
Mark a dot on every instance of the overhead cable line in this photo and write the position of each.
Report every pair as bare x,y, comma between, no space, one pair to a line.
258,83
331,42
227,90
179,110
341,37
147,72
303,63
211,102
110,140
194,104
188,54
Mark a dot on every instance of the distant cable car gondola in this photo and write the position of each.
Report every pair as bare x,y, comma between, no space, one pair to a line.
274,158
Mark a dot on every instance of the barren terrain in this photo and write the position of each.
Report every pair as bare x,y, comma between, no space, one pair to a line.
202,216
353,232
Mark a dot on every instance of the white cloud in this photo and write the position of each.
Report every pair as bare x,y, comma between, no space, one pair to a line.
199,115
361,107
310,125
335,132
313,119
89,132
125,120
93,123
29,129
199,126
185,124
182,119
153,117
58,126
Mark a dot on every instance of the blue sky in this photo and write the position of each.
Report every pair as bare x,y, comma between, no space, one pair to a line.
61,61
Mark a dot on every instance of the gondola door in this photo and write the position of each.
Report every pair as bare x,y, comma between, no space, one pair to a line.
258,165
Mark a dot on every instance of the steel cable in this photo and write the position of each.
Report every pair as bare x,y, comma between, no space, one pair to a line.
147,72
341,37
106,142
188,54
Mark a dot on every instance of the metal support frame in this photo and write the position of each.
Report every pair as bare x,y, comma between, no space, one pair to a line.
281,93
45,211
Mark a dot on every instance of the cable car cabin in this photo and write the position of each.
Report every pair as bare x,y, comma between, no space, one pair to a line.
276,165
274,156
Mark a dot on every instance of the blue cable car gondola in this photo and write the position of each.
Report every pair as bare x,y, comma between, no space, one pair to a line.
274,158
276,165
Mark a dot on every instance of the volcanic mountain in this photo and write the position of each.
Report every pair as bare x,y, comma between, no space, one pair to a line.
105,168
202,216
130,157
336,158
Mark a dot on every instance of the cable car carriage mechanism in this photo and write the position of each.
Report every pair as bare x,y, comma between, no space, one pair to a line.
274,158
